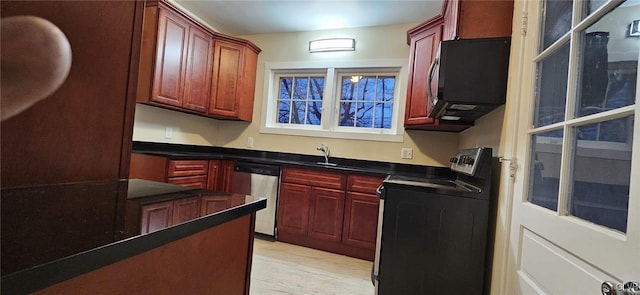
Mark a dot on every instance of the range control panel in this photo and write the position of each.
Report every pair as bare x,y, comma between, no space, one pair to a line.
466,161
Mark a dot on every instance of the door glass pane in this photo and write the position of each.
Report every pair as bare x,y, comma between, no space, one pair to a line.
551,90
544,176
609,63
602,173
557,21
590,6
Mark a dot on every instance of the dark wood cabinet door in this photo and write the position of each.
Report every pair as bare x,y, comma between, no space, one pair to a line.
156,216
468,19
227,68
185,209
220,175
171,59
199,66
293,208
212,204
326,214
424,47
360,220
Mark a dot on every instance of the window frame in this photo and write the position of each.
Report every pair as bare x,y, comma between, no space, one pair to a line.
333,70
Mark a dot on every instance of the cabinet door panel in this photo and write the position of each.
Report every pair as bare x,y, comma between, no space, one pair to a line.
171,59
156,216
227,67
326,214
424,47
360,220
186,209
293,208
363,183
212,204
199,66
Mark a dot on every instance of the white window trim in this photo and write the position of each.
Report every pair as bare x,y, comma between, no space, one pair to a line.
330,105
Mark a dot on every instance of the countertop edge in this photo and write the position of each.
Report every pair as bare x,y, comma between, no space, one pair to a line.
43,276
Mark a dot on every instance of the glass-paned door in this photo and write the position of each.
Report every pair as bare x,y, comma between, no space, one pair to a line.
576,206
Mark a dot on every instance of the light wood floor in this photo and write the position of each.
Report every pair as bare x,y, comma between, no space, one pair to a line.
281,268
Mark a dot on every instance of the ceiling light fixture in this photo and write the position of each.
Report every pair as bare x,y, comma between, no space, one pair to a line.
333,44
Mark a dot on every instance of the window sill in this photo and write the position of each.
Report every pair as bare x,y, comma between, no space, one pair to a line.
334,134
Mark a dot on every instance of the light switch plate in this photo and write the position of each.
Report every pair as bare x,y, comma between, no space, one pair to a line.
406,153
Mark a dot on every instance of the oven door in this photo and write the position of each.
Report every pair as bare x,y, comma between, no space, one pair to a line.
375,269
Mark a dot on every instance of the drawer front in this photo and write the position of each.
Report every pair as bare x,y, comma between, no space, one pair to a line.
363,183
313,177
187,167
198,181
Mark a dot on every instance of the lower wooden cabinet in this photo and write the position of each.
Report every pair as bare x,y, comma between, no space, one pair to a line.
294,202
359,227
185,209
212,204
329,210
156,217
325,214
215,175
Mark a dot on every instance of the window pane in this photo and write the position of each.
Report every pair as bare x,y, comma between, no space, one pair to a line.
347,113
557,20
591,5
359,105
544,177
365,115
551,90
300,100
602,174
609,63
301,88
383,120
284,110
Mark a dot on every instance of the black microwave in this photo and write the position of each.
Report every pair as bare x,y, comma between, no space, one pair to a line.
472,78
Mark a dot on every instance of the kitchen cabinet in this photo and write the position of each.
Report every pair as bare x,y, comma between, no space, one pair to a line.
213,175
361,211
183,63
220,175
466,19
161,215
460,19
424,42
191,173
234,79
187,67
328,210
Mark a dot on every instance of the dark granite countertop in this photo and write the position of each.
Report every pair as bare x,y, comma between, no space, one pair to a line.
53,233
190,152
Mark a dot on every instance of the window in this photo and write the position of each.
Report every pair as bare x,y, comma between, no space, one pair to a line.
581,140
355,100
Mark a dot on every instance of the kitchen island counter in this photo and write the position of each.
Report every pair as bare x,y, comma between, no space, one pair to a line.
63,236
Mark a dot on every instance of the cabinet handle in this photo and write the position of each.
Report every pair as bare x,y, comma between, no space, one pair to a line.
430,96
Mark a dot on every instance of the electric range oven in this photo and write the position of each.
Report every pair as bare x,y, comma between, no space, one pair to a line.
433,232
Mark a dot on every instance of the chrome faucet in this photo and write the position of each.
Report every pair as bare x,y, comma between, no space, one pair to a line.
325,151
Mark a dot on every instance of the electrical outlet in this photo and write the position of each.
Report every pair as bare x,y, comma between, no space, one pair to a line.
168,132
250,141
406,153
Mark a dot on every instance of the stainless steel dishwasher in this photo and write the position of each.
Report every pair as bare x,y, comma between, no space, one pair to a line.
261,180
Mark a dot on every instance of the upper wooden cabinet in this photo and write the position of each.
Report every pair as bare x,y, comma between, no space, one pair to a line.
467,19
185,66
424,42
234,79
460,19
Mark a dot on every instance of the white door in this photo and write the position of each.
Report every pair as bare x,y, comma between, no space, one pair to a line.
575,202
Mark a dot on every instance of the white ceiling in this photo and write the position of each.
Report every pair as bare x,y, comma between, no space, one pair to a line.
245,17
